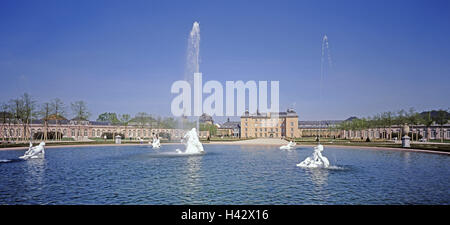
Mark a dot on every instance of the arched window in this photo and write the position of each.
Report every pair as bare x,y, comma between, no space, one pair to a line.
93,132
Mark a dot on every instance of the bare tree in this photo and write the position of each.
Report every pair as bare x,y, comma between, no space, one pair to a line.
124,120
28,112
441,119
45,114
58,110
81,113
5,120
17,111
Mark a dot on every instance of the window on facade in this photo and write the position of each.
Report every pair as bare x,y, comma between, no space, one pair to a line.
85,132
73,132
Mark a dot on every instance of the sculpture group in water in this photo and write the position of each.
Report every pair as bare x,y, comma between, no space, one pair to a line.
35,152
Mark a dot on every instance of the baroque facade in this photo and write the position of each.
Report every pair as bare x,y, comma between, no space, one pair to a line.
270,125
84,130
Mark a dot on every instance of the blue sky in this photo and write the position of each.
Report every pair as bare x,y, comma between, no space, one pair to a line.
123,56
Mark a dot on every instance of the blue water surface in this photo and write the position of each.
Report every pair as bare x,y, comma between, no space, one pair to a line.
226,174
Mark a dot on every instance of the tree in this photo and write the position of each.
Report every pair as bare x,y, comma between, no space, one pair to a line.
5,119
124,120
81,113
142,119
427,120
58,110
414,119
208,127
45,112
441,119
108,117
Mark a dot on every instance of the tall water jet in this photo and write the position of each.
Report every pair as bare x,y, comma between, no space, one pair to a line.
317,159
193,52
326,47
193,56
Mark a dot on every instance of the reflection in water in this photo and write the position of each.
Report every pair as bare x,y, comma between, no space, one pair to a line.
319,177
35,170
225,175
191,180
406,158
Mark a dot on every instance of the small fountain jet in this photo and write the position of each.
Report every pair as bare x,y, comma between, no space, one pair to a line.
156,143
289,146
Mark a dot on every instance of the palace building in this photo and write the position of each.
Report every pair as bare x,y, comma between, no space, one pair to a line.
270,125
85,130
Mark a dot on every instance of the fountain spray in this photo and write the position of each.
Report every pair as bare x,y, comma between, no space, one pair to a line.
193,56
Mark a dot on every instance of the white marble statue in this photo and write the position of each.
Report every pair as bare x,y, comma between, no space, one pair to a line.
192,143
156,143
34,152
316,160
289,146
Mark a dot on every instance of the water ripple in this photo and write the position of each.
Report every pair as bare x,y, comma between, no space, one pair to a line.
225,175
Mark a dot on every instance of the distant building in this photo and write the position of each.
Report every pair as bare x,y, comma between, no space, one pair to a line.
324,128
229,129
84,130
270,125
205,118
